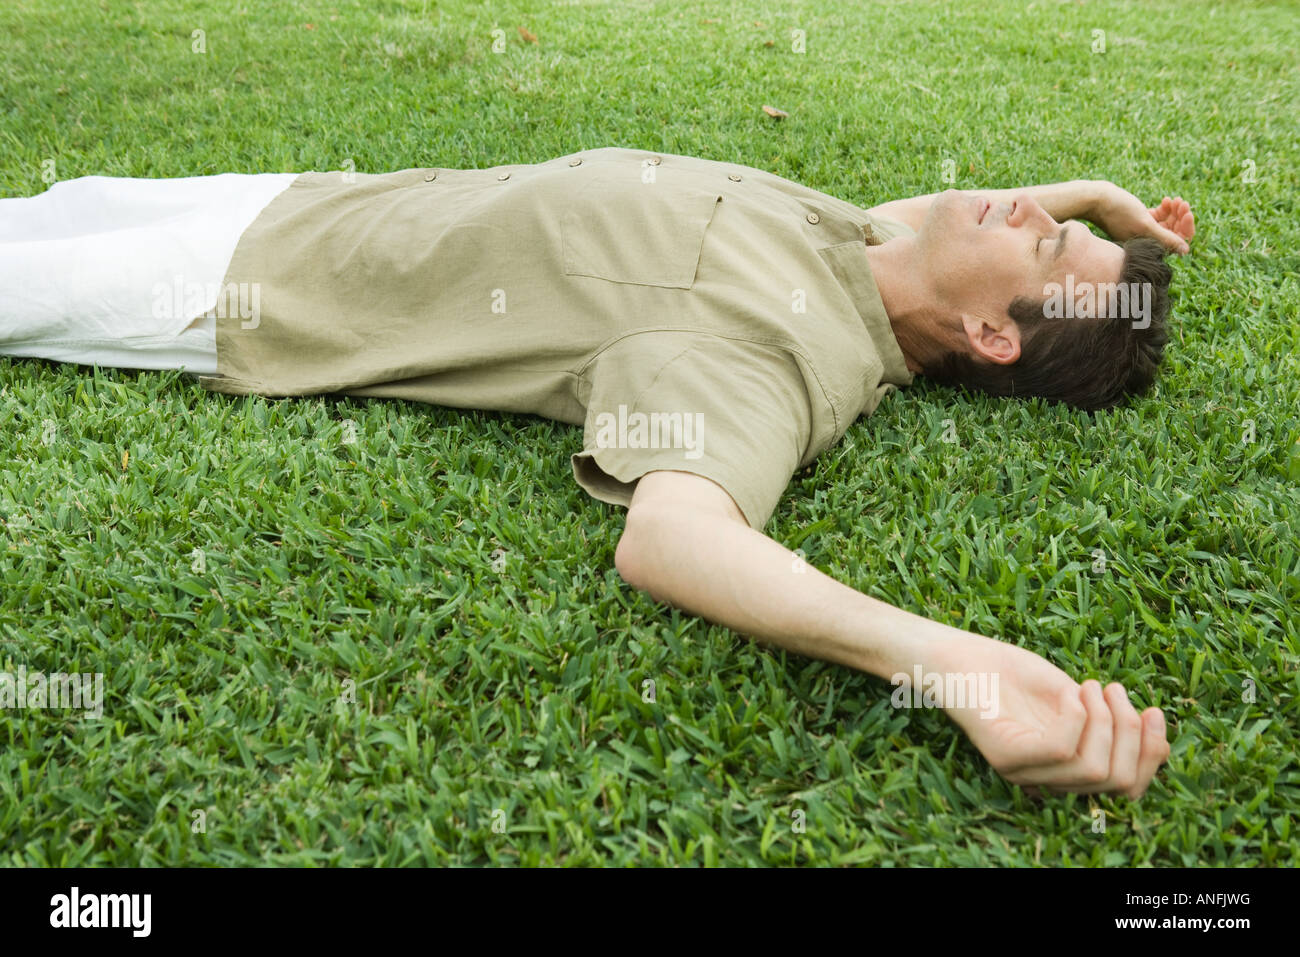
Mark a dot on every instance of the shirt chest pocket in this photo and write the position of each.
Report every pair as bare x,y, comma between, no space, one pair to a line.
622,229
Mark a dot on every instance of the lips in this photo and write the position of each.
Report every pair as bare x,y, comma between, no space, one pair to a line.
984,206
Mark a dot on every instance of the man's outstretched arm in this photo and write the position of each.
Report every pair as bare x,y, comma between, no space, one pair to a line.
686,542
1117,211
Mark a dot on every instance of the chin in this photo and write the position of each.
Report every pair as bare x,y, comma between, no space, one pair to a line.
943,220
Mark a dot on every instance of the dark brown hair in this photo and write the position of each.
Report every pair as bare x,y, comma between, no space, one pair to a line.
1090,363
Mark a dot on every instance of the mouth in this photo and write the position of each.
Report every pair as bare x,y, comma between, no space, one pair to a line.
983,206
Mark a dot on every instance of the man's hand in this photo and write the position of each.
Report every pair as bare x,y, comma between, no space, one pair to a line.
1048,731
687,543
1123,216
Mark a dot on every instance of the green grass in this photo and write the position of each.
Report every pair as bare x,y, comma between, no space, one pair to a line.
517,685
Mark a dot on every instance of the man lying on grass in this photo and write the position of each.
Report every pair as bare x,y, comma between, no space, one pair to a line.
712,326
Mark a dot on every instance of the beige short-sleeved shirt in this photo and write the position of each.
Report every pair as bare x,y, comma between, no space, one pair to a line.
691,314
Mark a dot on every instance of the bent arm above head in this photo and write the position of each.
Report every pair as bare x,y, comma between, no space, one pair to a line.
1077,199
687,543
1115,210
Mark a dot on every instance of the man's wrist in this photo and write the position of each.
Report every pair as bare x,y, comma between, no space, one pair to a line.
892,641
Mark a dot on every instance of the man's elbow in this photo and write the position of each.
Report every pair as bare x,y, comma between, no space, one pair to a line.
633,556
625,559
628,557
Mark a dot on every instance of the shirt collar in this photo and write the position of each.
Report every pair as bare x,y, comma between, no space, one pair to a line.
848,261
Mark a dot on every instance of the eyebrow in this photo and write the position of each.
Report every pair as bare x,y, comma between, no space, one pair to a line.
1060,243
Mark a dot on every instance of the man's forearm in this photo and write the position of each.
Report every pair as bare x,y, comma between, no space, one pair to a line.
1077,199
728,573
1073,200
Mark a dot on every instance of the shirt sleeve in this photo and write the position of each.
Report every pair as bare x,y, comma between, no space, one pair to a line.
733,411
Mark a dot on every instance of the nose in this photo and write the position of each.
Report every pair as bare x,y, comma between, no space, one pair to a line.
1026,210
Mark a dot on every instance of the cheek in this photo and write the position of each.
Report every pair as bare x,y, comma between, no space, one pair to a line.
997,274
1011,269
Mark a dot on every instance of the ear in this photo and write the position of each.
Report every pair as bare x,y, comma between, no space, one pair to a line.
997,340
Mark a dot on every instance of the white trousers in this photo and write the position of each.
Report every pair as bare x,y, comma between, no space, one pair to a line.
113,271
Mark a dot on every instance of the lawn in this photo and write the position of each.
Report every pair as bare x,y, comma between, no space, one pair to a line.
348,632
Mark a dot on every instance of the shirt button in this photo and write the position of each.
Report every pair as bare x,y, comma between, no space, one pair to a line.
575,162
814,218
430,177
734,178
503,177
654,161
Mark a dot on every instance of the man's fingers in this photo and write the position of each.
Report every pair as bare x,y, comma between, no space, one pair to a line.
1091,762
1155,750
1176,225
1126,749
1172,241
1152,746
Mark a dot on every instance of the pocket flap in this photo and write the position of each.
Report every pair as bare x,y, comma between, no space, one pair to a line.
626,230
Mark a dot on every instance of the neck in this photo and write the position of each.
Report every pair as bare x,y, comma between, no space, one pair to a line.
909,302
